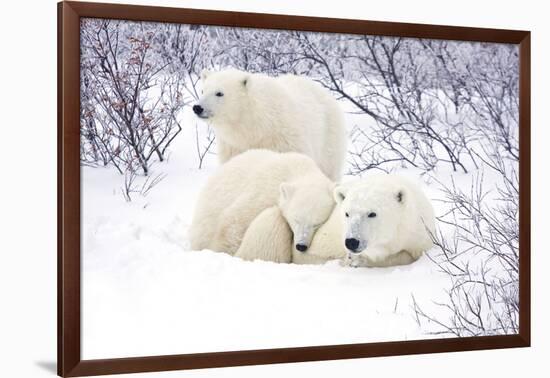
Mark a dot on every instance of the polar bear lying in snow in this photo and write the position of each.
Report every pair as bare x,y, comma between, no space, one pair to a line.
386,218
383,220
251,182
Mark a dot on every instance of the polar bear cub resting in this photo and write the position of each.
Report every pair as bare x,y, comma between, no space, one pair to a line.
287,114
252,182
384,220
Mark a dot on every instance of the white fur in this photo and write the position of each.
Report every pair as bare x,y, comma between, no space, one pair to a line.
402,233
401,218
252,182
268,238
286,113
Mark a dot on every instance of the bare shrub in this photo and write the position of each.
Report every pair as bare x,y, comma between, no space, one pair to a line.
130,112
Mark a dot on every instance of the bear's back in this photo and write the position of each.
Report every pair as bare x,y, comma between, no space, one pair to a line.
268,163
253,173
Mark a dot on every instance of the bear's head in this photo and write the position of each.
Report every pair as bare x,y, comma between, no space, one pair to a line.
372,212
223,96
306,204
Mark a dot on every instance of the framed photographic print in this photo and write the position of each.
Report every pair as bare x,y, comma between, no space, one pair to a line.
239,188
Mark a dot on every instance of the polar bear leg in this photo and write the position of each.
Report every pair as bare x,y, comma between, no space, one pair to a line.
225,151
375,254
268,238
401,258
352,260
235,220
335,148
200,235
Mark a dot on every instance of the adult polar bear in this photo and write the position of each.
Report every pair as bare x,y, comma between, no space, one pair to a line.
286,114
250,183
383,220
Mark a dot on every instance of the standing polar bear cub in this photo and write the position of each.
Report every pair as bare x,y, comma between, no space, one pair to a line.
286,114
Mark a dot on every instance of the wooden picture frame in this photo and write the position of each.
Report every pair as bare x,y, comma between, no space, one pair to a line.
69,244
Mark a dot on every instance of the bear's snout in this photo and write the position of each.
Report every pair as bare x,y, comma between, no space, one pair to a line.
197,109
301,247
352,244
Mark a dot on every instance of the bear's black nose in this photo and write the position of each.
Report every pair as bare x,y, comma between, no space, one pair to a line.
301,247
197,109
352,244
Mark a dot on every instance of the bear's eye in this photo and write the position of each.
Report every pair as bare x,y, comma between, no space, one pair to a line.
219,94
372,215
347,215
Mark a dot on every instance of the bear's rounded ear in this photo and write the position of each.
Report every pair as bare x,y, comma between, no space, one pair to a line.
400,196
286,190
339,193
204,74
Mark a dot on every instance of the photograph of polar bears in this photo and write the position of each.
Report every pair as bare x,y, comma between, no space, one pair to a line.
251,189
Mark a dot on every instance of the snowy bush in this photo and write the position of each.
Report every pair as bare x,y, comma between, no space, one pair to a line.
129,108
480,254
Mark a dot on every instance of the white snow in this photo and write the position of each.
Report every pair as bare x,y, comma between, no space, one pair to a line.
145,293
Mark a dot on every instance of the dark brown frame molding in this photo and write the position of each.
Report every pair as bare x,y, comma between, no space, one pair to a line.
70,363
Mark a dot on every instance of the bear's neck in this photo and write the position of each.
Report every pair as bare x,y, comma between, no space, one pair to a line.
252,130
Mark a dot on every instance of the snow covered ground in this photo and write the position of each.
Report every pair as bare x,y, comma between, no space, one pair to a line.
145,293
